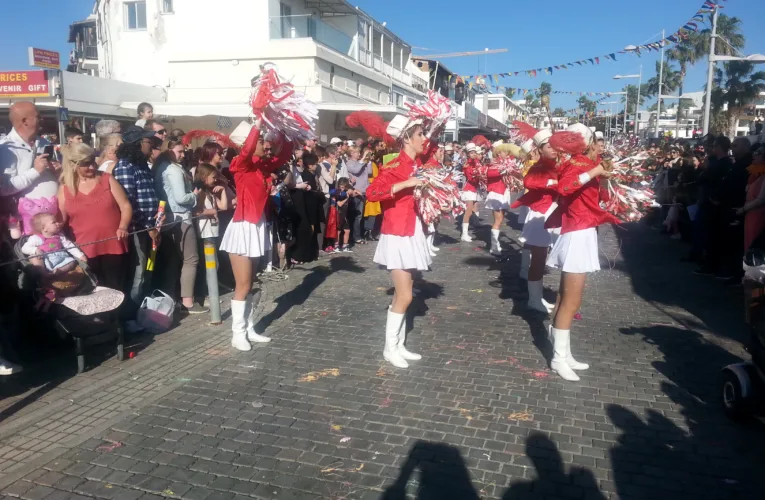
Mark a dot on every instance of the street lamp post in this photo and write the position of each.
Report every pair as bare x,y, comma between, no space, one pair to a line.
661,77
710,70
639,76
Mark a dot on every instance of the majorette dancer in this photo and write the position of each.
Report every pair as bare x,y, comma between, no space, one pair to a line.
470,190
286,116
541,184
576,251
403,247
496,198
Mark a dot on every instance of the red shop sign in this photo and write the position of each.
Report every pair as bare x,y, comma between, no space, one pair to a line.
24,84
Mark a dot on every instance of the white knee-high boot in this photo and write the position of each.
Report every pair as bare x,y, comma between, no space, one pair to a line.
495,246
402,340
525,263
465,235
536,301
239,325
392,329
252,335
561,348
431,250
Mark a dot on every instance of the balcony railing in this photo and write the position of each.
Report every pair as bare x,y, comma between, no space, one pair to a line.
90,52
308,26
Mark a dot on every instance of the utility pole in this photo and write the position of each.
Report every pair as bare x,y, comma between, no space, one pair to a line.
710,71
637,103
661,77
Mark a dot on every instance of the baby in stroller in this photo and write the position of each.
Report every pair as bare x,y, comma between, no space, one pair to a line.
56,257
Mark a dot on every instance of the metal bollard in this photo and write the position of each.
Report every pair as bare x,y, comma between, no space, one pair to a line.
211,265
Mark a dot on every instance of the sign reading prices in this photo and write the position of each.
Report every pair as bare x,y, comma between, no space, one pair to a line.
24,84
47,59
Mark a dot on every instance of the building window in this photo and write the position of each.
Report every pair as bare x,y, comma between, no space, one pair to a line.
167,6
135,15
399,100
493,103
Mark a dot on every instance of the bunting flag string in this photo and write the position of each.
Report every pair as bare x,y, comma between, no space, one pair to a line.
520,91
681,34
596,102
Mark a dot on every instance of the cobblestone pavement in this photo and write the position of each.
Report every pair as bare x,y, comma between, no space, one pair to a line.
318,414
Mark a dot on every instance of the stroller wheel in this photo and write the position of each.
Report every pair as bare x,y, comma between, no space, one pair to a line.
735,404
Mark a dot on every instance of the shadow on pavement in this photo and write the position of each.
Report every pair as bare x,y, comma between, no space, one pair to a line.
552,481
697,461
443,474
311,281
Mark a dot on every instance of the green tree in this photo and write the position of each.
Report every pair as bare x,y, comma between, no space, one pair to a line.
559,112
737,87
670,81
510,93
685,54
631,96
545,88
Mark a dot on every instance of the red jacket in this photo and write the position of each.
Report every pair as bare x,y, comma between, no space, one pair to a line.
579,204
471,174
494,182
398,210
541,194
250,177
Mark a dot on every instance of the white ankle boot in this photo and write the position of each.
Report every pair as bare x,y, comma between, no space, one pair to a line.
561,348
429,239
536,302
239,325
495,246
411,356
252,335
465,235
525,263
433,247
392,329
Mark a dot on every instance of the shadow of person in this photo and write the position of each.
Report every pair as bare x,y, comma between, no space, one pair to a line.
443,474
551,475
298,295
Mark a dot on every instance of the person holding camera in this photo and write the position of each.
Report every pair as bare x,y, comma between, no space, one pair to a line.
174,186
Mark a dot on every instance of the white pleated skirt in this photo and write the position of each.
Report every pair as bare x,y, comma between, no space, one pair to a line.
497,202
576,252
470,196
404,252
534,232
247,239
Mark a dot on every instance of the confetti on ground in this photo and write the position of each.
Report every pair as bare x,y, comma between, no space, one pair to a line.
336,428
382,289
314,376
168,492
324,313
382,372
451,308
345,439
183,379
578,316
257,404
338,467
216,352
537,374
113,445
521,416
386,402
477,290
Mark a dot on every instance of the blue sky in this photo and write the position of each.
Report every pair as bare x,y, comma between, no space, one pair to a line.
561,31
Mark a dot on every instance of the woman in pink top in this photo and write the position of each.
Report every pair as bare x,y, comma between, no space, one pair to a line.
754,208
96,208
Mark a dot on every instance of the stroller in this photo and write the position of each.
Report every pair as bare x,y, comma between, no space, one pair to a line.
89,319
743,384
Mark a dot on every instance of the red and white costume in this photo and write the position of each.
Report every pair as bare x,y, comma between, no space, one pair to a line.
247,235
540,199
578,215
497,197
470,189
402,242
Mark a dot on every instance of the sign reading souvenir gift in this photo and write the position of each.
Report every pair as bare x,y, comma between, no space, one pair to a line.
24,84
41,58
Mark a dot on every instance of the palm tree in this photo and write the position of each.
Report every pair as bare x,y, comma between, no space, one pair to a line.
631,96
545,88
739,87
685,54
559,112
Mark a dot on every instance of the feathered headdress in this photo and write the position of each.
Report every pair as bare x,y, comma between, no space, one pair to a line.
510,149
525,130
481,141
568,142
280,108
206,135
434,112
372,123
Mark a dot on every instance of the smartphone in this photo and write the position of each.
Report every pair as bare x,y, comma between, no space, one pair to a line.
48,150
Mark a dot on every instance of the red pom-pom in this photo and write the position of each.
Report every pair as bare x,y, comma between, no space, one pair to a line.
372,123
568,142
481,141
525,130
209,134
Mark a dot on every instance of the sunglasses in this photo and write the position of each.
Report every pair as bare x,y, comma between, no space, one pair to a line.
86,163
161,132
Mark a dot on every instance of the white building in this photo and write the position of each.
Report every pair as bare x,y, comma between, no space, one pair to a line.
500,107
204,56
